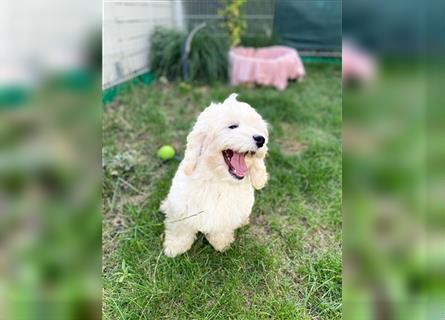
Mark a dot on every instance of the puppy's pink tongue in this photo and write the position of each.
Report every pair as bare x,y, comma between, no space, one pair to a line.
238,164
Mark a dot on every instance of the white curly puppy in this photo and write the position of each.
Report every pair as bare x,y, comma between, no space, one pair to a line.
213,190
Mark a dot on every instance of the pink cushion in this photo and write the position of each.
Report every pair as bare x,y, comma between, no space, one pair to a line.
270,66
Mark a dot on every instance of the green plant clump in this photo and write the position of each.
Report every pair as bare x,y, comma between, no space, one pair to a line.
165,53
207,59
259,41
234,21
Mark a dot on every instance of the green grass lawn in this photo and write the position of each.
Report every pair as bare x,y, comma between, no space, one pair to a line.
285,265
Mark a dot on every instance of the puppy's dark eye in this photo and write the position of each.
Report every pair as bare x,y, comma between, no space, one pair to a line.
233,126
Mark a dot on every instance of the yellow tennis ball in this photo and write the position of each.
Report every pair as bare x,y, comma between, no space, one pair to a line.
166,152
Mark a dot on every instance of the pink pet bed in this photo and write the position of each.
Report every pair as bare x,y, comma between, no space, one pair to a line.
270,66
357,64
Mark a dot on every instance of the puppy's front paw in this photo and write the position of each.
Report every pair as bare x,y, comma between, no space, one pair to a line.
245,222
220,241
258,175
259,181
172,251
175,244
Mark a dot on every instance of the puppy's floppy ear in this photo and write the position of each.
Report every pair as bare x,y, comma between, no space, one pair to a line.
258,172
195,146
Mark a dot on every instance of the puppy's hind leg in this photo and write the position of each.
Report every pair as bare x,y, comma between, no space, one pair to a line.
221,240
178,239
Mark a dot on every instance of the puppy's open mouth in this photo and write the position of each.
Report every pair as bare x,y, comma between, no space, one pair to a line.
236,163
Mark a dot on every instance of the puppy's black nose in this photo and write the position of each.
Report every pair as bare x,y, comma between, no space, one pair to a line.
259,140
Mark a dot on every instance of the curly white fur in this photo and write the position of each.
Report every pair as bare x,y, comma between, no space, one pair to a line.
204,196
